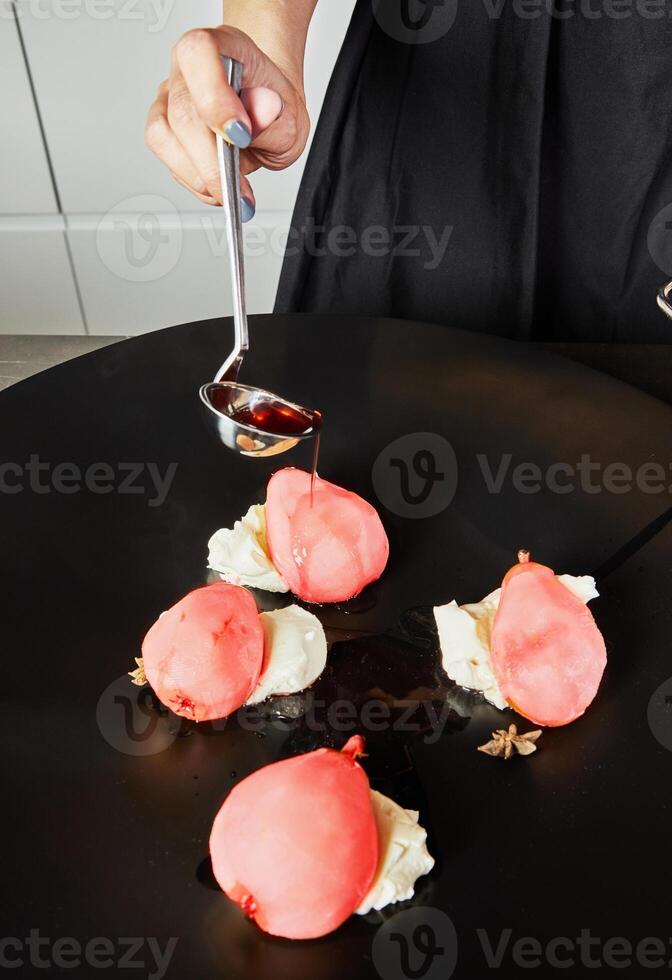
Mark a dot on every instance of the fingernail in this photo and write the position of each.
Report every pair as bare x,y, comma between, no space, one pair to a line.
247,209
237,133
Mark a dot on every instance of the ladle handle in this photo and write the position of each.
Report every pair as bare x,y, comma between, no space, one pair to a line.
229,174
664,299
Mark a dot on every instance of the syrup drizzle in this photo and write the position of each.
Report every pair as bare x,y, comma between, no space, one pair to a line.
273,418
317,425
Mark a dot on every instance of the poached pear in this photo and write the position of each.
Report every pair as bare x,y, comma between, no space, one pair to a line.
547,652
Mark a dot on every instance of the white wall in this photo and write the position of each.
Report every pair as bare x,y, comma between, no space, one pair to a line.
130,250
37,288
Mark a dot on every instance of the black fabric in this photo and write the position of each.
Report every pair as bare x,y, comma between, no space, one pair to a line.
545,144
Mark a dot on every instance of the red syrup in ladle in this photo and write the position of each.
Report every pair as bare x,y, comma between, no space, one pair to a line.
279,420
275,418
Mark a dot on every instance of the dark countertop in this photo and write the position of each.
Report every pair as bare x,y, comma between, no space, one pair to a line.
22,356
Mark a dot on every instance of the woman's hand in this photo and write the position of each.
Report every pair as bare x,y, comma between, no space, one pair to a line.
269,122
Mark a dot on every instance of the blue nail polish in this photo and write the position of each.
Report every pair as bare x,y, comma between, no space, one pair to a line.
238,134
247,209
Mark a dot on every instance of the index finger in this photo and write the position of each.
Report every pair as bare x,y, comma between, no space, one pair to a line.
198,57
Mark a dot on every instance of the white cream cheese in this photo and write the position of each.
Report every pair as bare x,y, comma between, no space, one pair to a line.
240,555
464,636
403,854
295,652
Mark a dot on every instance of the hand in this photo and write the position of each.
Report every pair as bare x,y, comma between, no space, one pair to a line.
269,122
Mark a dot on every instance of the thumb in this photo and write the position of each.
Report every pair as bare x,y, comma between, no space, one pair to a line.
263,106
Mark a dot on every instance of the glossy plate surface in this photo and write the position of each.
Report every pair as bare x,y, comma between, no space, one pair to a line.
107,807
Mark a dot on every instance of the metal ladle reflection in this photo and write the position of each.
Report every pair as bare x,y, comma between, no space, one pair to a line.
247,420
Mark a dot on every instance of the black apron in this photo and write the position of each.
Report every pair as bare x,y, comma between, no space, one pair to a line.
507,171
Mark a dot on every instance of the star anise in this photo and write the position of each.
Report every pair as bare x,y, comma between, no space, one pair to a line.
247,444
138,674
507,743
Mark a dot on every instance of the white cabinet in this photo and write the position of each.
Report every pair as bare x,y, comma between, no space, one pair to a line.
143,271
95,65
96,69
25,182
37,287
37,291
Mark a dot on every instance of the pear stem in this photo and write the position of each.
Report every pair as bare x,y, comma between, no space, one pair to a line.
354,748
523,556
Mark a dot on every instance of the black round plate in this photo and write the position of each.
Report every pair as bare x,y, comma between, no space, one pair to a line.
108,803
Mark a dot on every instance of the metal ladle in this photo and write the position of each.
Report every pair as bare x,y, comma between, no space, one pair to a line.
664,299
233,407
